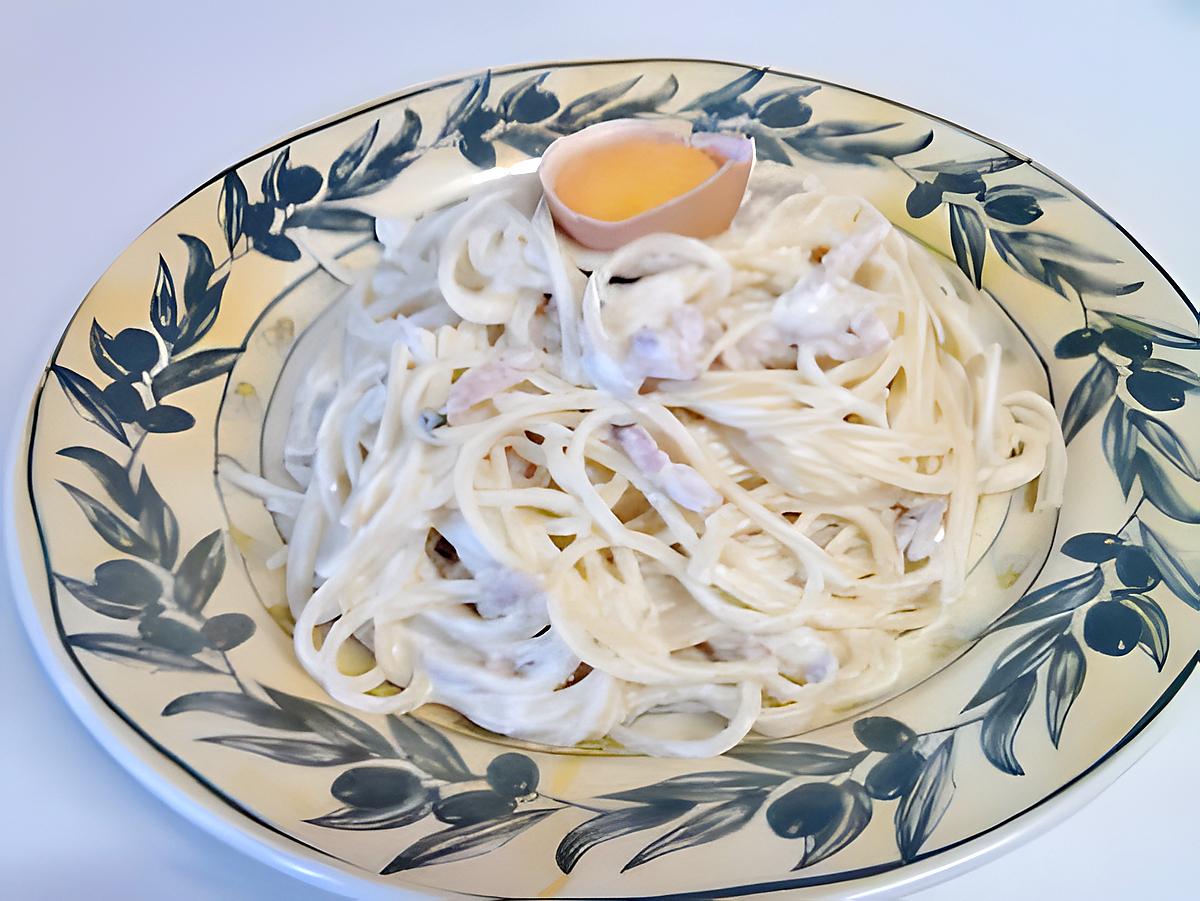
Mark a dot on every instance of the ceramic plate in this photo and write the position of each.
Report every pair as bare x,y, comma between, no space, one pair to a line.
143,585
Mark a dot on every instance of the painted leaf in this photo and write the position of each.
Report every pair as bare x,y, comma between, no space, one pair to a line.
348,162
615,824
1164,439
236,706
1157,332
637,105
100,344
1022,656
88,401
361,819
109,473
1093,391
591,102
1064,679
526,101
164,312
278,247
463,842
996,192
270,179
1179,574
985,166
332,723
1156,632
718,100
531,140
200,572
156,522
231,207
800,758
999,729
1051,600
389,160
700,787
110,527
1084,281
1120,444
1161,492
968,238
86,595
201,315
469,102
428,750
193,369
920,811
200,270
128,649
297,751
770,148
707,826
332,218
841,832
1167,367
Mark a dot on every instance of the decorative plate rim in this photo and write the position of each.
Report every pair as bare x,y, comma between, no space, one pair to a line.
207,806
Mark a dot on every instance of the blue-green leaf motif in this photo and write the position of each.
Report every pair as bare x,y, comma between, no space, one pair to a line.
1051,600
999,728
707,826
1156,633
464,842
236,706
841,832
296,751
920,811
699,787
127,649
614,824
109,473
200,571
428,749
1092,392
1160,491
231,207
968,238
800,758
1064,679
89,401
1022,656
1119,441
1180,577
111,527
1164,439
194,369
164,312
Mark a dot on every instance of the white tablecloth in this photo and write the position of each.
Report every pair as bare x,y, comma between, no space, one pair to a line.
111,114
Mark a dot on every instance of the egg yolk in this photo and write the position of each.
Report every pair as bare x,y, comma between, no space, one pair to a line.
619,181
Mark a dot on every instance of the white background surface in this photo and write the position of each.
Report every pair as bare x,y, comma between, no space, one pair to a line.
112,111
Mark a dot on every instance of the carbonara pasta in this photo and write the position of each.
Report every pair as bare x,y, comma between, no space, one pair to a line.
560,490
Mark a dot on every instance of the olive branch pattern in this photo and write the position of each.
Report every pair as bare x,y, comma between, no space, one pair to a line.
818,796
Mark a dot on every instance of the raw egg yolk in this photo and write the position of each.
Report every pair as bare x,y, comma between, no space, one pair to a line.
618,181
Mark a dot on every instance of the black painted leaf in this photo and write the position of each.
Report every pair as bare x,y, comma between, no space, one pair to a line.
1064,679
389,161
707,826
89,402
1164,440
531,140
86,595
1093,391
332,218
1024,655
270,179
968,237
342,169
920,811
164,313
469,103
166,419
299,184
109,473
1051,600
999,729
854,143
720,100
1016,209
1084,281
923,200
127,649
110,527
291,750
226,631
637,105
100,343
784,108
614,824
427,749
277,247
841,832
201,316
193,369
200,571
200,270
1174,370
699,787
1156,633
332,723
236,706
1157,332
591,102
985,166
367,819
1179,576
232,207
157,522
1161,492
800,758
527,102
1120,444
464,842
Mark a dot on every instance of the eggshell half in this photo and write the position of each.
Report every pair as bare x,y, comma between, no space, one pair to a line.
702,212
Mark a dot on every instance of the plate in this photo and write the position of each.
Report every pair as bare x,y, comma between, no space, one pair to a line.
142,585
